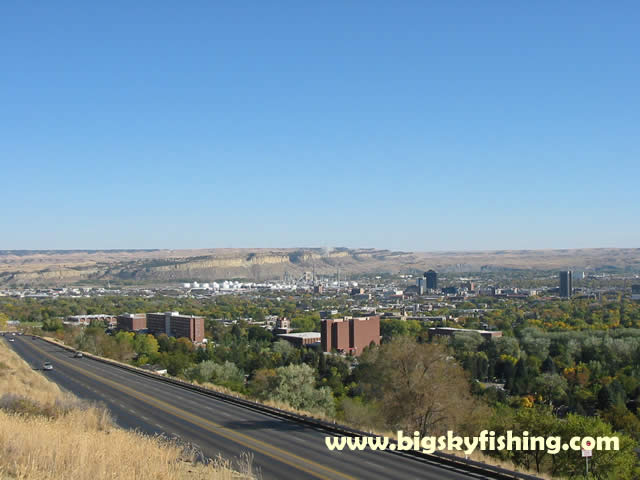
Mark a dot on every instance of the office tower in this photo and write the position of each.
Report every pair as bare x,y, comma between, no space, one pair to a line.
566,284
432,279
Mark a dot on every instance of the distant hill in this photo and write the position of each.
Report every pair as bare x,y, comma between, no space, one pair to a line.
58,267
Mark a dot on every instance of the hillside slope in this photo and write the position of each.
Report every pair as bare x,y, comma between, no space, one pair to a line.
167,266
47,434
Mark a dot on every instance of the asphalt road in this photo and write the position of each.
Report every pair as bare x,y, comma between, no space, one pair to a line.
280,449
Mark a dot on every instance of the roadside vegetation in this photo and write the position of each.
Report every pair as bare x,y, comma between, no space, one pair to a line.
572,366
48,434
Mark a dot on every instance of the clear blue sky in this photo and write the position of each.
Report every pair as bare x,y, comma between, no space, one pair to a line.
403,125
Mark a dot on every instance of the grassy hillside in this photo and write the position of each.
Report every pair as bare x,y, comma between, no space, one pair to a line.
46,433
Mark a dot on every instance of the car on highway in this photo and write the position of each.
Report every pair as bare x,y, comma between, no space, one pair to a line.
47,366
78,355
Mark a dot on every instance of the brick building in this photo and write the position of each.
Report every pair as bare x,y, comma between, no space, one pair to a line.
132,322
175,325
301,339
350,334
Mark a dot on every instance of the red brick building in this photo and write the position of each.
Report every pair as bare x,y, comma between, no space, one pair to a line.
350,335
176,325
132,322
301,339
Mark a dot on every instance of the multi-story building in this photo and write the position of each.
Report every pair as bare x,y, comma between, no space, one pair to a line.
432,279
350,334
301,339
175,325
132,322
566,284
635,292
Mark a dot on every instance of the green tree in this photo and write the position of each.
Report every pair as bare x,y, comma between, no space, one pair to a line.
295,386
552,387
612,464
146,345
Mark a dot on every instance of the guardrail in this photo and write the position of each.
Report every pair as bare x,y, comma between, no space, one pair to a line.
443,460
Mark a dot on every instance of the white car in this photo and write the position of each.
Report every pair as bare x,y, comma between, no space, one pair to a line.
47,366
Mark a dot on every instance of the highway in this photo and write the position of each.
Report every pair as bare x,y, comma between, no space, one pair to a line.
281,449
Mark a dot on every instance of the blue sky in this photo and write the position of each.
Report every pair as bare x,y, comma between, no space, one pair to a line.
402,125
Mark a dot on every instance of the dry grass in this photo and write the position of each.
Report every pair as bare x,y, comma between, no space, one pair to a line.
48,434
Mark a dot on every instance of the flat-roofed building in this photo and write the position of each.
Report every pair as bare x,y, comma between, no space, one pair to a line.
350,334
175,325
132,322
449,332
302,338
566,284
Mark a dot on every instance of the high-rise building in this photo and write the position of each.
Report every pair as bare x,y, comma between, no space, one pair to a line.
422,285
175,325
566,284
350,335
432,279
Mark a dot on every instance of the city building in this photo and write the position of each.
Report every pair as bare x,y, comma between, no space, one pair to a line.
432,279
175,325
319,289
566,284
283,325
302,338
411,290
422,285
449,332
635,292
350,334
132,322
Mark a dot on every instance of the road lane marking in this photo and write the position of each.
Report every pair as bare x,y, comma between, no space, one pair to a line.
212,427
